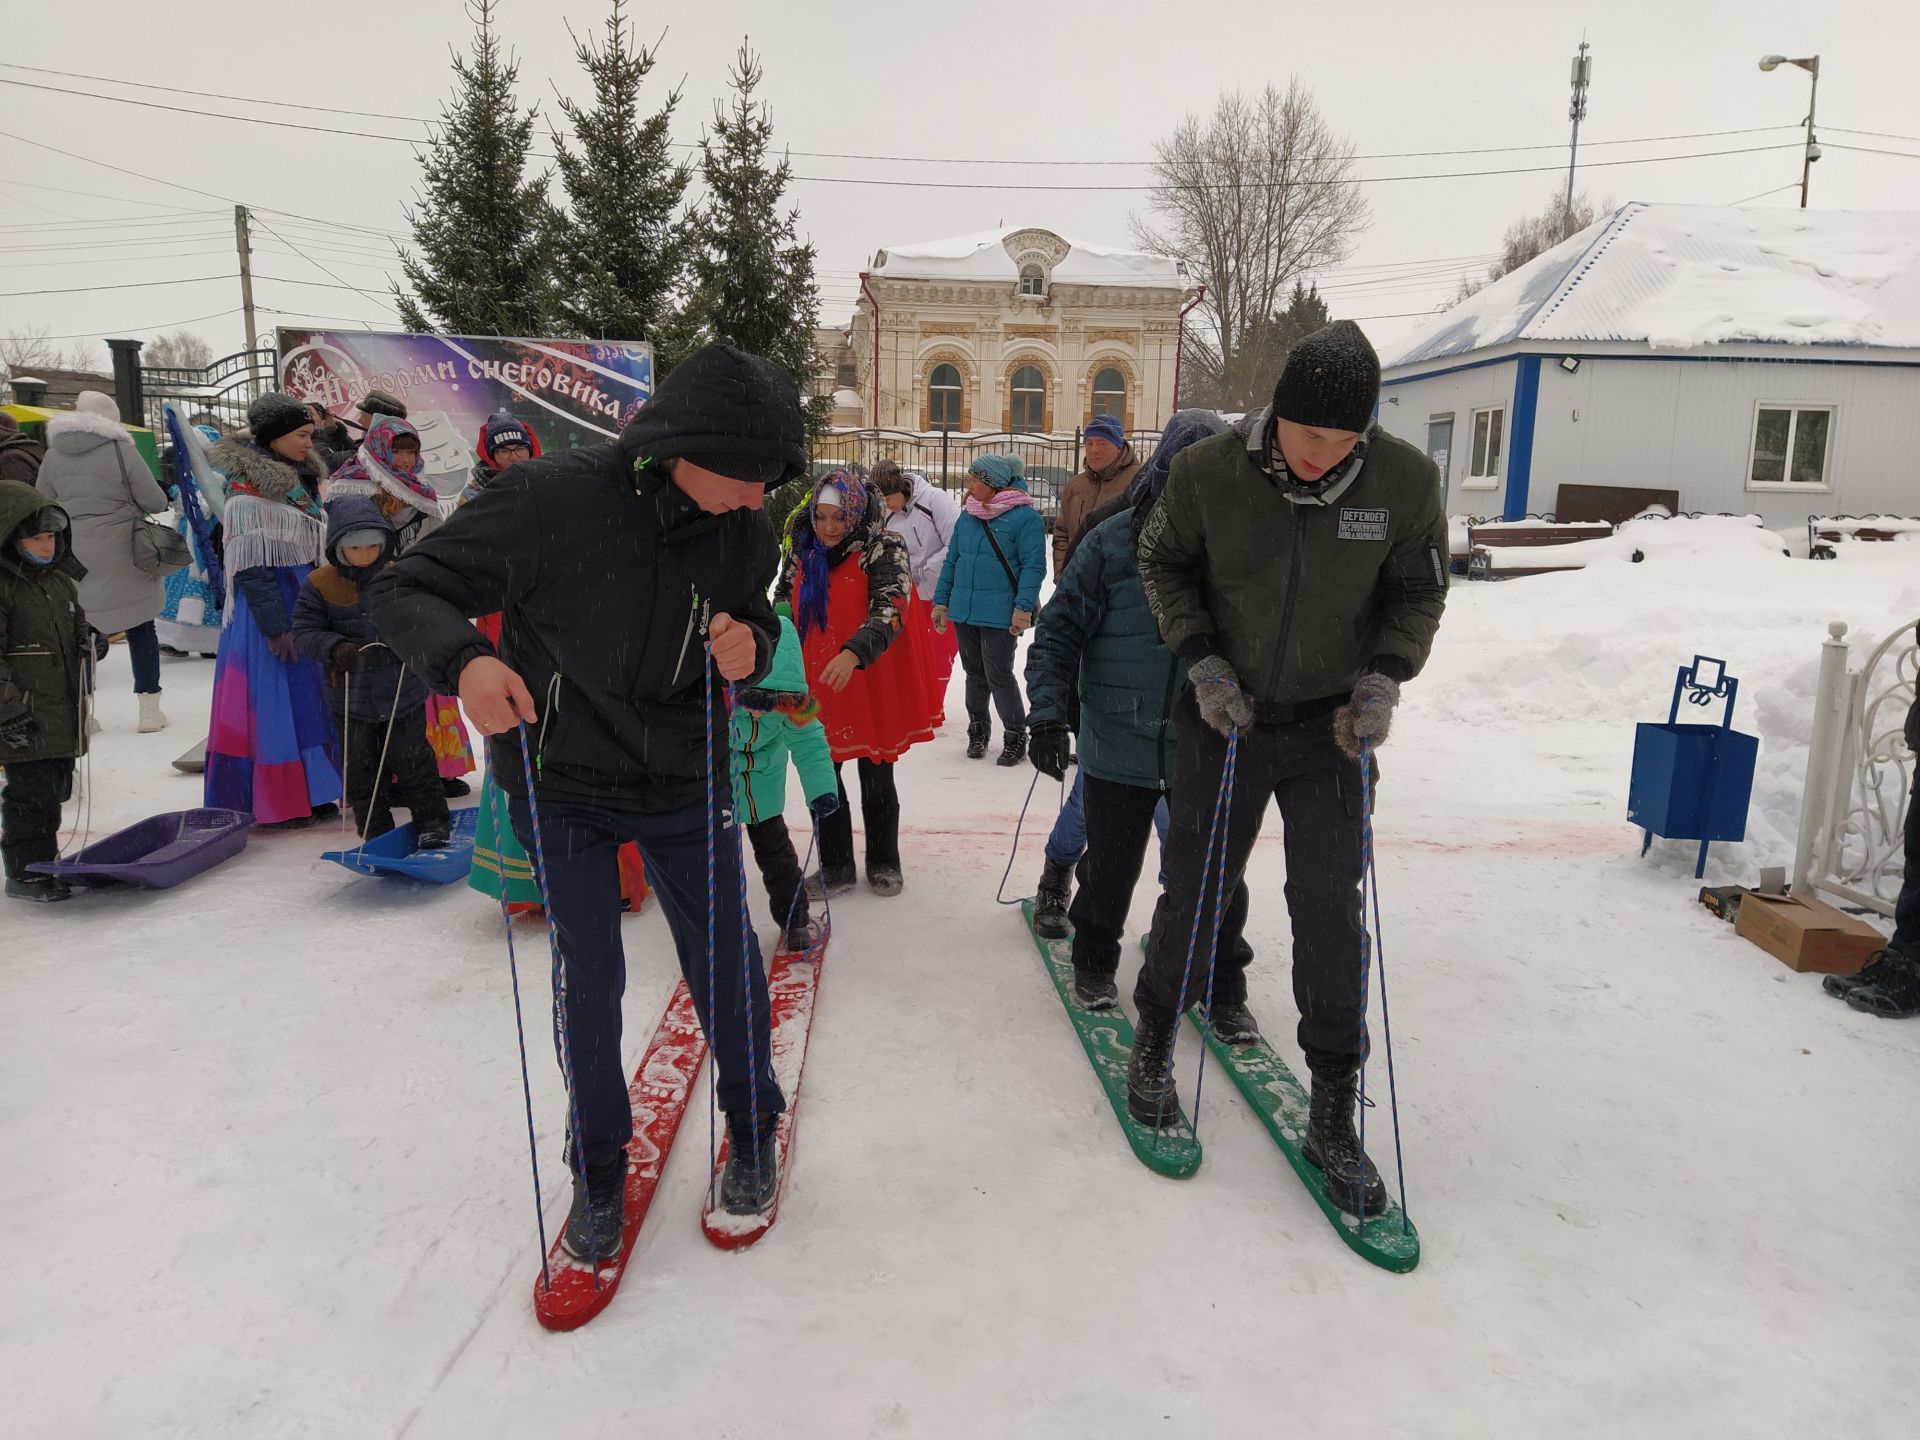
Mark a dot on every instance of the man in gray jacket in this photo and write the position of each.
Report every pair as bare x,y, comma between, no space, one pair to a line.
1297,565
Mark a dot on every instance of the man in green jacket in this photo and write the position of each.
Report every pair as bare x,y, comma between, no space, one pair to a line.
1297,565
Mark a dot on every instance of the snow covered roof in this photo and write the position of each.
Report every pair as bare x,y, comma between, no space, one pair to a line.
994,255
1682,277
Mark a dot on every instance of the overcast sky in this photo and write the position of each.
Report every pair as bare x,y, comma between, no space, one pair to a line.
987,82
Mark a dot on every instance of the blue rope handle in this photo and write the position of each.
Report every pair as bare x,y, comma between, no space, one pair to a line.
559,988
1000,890
713,943
746,924
1371,941
526,1083
1222,819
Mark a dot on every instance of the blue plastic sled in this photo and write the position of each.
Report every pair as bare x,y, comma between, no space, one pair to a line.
394,854
157,853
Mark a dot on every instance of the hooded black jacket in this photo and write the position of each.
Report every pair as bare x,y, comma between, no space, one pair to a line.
607,575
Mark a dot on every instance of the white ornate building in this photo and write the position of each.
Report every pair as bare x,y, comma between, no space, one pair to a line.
1015,330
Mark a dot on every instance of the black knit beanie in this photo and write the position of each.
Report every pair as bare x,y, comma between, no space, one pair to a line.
1331,381
274,415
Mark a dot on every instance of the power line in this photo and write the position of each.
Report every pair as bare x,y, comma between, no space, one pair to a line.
135,243
803,154
105,260
130,285
1865,150
1765,193
1876,134
323,269
133,329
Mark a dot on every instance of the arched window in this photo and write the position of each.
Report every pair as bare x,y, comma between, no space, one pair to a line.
1033,280
1029,401
1110,394
943,398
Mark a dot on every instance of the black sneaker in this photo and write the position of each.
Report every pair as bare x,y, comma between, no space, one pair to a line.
1015,750
596,1224
455,788
1051,901
1333,1147
432,838
44,889
1094,992
800,936
1151,1097
978,737
831,880
752,1176
1894,994
886,879
1234,1024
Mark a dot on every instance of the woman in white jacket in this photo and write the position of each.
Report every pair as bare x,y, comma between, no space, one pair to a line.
922,515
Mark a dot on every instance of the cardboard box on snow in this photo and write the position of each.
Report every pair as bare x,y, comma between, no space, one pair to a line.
1806,934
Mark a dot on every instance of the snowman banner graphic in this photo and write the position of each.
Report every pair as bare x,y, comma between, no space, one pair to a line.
569,392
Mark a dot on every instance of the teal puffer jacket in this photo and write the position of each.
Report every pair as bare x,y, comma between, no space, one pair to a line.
764,735
973,583
1097,633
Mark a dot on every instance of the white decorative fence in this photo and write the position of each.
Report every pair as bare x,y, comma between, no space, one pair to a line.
1860,775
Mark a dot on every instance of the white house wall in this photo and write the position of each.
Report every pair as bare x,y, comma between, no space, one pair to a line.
1460,394
1688,426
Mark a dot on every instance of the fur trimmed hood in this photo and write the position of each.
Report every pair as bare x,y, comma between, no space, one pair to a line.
76,432
272,477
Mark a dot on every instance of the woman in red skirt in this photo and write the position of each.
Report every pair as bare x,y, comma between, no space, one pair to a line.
869,651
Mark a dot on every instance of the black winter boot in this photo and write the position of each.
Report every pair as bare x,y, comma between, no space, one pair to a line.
1050,904
831,880
1333,1147
1233,1024
1894,994
44,888
886,879
596,1224
1880,965
1094,992
752,1176
979,733
1015,752
1151,1098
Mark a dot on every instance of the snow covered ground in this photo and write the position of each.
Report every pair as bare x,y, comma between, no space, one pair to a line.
266,1174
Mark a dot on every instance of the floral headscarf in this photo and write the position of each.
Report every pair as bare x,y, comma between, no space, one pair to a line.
846,492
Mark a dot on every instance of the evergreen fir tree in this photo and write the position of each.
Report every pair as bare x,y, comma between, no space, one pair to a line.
483,230
621,252
753,284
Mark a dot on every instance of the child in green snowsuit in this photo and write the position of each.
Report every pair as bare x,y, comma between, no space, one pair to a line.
771,721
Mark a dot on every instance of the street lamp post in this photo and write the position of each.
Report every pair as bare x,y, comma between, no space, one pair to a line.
1810,64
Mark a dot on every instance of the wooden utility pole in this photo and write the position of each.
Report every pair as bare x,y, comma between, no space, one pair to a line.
243,243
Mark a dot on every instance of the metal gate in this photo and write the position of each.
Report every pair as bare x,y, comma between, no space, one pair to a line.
1860,775
216,395
1049,460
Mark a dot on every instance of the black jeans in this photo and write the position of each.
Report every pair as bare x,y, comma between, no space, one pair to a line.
581,841
1119,822
409,759
779,866
1318,790
987,654
879,813
30,812
143,648
1906,909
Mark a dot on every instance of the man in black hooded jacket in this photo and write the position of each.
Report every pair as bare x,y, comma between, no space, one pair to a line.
618,567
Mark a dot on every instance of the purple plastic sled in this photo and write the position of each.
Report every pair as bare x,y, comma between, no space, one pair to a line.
157,853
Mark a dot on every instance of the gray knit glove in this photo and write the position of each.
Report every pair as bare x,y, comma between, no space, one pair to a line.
1216,689
1368,716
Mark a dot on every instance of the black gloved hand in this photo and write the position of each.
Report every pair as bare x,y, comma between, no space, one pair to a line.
17,733
283,647
826,805
1050,748
345,656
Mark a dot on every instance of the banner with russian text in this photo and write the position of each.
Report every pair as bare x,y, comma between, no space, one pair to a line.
569,392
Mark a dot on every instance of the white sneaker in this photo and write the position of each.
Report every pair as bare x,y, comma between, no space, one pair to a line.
150,717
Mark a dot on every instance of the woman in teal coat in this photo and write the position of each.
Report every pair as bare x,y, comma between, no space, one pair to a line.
990,589
771,721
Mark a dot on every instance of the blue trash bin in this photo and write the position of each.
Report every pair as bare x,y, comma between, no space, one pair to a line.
1694,781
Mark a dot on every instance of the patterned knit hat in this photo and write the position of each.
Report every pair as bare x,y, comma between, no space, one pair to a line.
999,471
1107,427
1331,381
